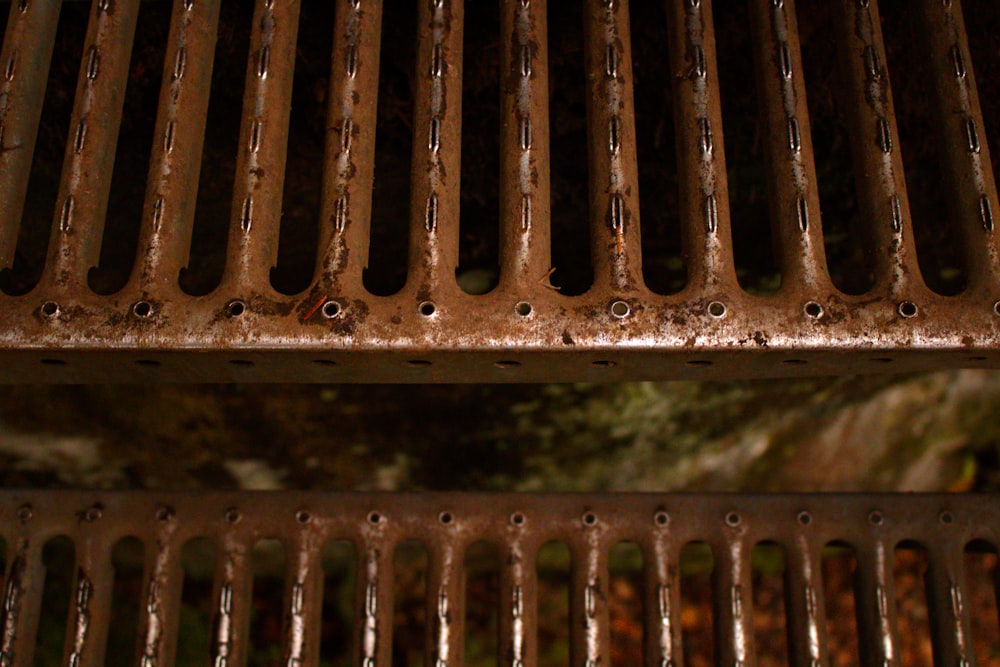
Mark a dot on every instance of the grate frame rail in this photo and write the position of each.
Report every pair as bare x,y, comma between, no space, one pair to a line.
518,524
523,330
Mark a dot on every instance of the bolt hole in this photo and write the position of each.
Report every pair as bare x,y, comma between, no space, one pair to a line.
427,308
331,309
947,518
374,518
907,309
303,517
24,513
445,518
698,362
814,310
589,519
876,518
236,308
805,518
733,519
603,363
94,513
142,309
996,308
523,309
661,518
795,362
324,362
50,309
164,514
620,309
149,363
507,364
232,515
246,363
418,363
517,519
53,362
717,309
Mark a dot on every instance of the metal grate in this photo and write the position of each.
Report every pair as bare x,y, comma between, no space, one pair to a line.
518,525
523,330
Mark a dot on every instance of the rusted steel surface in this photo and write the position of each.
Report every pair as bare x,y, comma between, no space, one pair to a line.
518,525
524,329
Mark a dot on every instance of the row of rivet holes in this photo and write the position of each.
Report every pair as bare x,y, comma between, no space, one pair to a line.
619,309
660,518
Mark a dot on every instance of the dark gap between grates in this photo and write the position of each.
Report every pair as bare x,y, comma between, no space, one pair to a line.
303,185
338,612
753,244
50,148
213,211
983,26
840,563
697,566
386,268
58,560
479,229
553,571
128,559
198,560
482,607
142,95
409,631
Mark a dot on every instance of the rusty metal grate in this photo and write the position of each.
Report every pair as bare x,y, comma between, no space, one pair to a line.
523,330
518,525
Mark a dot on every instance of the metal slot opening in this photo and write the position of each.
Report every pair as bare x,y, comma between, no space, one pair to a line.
127,558
198,558
303,182
479,234
385,271
46,166
142,92
939,251
839,565
213,210
553,567
844,235
625,604
268,562
59,560
753,244
482,604
339,582
980,568
909,570
571,253
663,267
697,635
409,632
767,561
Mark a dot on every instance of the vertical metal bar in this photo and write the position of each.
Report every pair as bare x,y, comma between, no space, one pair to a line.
437,140
663,602
590,626
519,602
22,604
178,139
260,162
968,169
804,604
446,603
160,612
614,173
303,602
24,69
525,196
90,149
733,595
794,197
875,600
374,607
349,165
233,598
878,165
950,619
90,604
701,160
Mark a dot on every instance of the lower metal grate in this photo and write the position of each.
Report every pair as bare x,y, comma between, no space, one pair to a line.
517,525
61,330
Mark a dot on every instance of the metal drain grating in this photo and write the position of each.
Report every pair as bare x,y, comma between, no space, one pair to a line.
523,330
518,525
